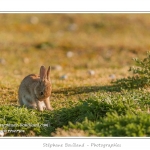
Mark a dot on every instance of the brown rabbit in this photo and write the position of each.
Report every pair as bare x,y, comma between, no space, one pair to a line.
35,91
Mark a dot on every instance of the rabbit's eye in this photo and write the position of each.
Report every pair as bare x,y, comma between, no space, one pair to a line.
41,93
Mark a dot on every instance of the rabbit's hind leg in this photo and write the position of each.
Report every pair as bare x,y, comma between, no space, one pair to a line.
28,103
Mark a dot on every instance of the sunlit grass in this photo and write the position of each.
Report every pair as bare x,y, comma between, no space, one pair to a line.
88,53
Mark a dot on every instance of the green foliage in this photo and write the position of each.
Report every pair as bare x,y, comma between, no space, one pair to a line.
142,70
110,114
83,103
105,114
141,75
130,125
17,121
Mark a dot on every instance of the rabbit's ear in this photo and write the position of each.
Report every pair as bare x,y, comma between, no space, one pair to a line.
42,73
48,73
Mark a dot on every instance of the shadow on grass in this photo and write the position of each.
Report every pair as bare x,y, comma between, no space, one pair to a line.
87,89
90,109
93,109
129,83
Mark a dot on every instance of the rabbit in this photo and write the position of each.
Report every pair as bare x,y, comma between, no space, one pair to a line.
34,91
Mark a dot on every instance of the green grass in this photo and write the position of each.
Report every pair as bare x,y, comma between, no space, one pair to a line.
112,102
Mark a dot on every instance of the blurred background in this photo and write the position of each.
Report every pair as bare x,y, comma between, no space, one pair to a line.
74,45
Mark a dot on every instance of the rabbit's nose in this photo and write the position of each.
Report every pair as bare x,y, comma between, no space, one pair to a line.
42,93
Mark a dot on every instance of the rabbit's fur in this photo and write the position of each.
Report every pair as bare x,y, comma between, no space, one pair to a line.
34,91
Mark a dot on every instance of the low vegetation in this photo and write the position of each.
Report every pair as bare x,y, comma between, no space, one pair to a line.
98,88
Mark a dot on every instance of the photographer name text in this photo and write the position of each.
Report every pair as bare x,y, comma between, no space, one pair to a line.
94,145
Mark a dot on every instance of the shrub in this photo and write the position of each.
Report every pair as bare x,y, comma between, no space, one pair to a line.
141,75
130,125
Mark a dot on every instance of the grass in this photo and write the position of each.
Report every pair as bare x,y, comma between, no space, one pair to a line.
108,102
